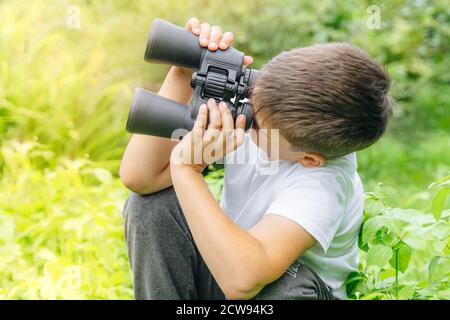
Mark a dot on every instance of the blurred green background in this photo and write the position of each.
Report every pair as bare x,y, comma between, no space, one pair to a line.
65,94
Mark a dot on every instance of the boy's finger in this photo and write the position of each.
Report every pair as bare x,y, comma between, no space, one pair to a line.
239,135
193,25
197,133
215,121
205,30
227,39
200,122
248,60
211,135
240,122
214,37
215,118
227,118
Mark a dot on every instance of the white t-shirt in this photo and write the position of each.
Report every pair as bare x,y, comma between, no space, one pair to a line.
326,201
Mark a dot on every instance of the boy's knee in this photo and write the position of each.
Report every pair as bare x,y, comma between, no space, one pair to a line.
146,210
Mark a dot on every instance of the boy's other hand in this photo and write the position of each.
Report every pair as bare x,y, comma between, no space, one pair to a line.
206,144
211,38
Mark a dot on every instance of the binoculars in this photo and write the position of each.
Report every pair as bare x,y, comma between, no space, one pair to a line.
221,75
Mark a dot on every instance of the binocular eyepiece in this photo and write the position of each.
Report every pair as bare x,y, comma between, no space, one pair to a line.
221,75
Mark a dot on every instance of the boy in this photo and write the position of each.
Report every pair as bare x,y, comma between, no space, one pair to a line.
287,233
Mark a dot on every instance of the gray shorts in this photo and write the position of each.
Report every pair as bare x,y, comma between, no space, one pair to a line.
166,263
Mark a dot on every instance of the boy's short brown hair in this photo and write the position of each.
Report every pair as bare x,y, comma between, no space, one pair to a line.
331,99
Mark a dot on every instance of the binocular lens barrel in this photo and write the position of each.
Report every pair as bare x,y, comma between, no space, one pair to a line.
171,44
155,115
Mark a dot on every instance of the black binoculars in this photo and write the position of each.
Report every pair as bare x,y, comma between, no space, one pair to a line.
219,74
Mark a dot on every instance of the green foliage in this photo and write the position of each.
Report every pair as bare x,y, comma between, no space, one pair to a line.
405,252
65,95
61,234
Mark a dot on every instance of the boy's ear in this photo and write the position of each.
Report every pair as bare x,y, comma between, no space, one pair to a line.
311,159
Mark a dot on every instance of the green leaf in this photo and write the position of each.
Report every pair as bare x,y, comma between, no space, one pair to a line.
415,242
444,294
354,283
407,292
379,255
374,296
363,246
410,216
102,175
387,238
439,202
372,208
373,277
403,256
439,246
440,182
445,214
439,269
370,228
441,230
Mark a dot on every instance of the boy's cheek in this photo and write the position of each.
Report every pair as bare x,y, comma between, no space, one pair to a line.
286,155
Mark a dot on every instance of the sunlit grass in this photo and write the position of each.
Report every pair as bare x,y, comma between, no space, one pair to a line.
61,234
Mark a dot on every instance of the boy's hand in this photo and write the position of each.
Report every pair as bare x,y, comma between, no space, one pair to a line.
202,146
212,38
